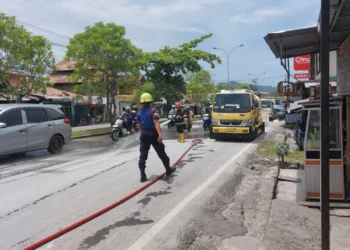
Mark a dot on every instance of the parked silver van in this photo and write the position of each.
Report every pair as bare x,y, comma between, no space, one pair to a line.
27,127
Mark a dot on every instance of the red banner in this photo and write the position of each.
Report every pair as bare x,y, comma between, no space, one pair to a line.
302,62
302,76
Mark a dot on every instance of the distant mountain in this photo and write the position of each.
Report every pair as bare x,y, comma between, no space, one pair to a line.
263,88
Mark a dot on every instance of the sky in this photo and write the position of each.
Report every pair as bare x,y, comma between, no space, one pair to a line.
153,24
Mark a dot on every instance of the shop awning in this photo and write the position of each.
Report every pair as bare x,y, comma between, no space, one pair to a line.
317,83
296,105
291,43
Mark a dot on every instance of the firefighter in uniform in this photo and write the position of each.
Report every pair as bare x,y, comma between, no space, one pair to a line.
151,134
180,122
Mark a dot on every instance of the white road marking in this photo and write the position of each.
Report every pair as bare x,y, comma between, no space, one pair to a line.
153,231
148,236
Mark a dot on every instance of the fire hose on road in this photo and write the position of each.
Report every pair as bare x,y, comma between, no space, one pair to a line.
110,207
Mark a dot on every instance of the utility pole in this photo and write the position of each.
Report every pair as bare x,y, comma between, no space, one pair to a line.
228,59
324,63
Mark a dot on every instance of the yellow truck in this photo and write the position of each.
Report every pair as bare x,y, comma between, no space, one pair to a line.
236,114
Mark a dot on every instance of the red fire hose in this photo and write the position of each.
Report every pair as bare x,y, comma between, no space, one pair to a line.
110,207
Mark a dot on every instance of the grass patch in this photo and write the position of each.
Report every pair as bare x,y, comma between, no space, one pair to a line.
266,149
296,156
90,131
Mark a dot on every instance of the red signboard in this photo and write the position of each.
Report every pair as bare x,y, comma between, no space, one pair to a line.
302,76
302,62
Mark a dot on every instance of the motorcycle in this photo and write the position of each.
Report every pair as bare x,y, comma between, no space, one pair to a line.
117,129
171,117
206,122
188,123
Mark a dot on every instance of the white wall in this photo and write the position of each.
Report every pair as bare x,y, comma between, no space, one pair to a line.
332,66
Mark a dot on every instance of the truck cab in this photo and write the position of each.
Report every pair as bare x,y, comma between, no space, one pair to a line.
237,114
267,106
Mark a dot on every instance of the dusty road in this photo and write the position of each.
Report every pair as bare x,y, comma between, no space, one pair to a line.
41,194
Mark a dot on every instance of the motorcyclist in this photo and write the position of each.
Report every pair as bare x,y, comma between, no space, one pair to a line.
180,122
127,118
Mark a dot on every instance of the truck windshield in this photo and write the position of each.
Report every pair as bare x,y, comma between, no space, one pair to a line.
266,104
232,103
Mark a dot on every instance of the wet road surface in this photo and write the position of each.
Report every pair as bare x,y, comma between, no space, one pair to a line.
41,194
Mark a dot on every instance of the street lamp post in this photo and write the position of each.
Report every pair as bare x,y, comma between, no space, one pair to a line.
228,59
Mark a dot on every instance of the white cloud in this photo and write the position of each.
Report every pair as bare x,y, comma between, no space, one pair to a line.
258,16
172,15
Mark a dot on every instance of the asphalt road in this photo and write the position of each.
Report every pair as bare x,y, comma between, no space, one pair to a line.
41,194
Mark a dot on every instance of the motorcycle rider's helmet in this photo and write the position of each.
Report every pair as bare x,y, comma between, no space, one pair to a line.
127,109
178,105
146,98
172,106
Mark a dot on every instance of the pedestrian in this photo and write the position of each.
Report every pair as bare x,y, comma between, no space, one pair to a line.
180,122
151,134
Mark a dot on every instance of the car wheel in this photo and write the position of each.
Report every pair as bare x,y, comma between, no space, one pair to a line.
56,144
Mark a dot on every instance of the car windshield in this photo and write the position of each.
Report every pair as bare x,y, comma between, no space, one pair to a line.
232,103
279,107
266,104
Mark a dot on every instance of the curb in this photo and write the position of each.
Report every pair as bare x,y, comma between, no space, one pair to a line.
91,135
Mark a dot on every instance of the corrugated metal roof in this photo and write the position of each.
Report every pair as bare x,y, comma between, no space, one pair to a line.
306,40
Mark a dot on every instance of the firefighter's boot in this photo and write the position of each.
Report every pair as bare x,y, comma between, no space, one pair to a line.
143,174
182,137
169,170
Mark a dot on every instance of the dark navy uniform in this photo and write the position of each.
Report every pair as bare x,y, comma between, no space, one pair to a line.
149,136
179,121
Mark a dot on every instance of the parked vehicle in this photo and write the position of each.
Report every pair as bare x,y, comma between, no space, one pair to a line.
236,113
280,112
188,123
28,127
117,129
171,117
206,122
267,106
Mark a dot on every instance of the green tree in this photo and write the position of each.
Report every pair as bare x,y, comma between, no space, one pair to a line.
105,61
24,55
167,67
242,86
147,87
199,87
223,86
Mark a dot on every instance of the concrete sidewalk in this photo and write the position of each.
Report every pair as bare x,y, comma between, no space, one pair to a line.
89,127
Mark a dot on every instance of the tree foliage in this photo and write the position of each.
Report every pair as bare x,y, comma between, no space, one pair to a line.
105,61
24,56
242,86
200,87
167,67
147,87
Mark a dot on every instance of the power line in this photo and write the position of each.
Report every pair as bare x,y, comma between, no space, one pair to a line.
49,31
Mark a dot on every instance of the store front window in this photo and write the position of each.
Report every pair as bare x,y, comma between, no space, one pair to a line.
313,139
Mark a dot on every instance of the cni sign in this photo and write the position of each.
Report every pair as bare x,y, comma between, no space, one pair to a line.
302,62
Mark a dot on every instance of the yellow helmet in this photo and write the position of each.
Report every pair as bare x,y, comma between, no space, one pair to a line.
146,97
